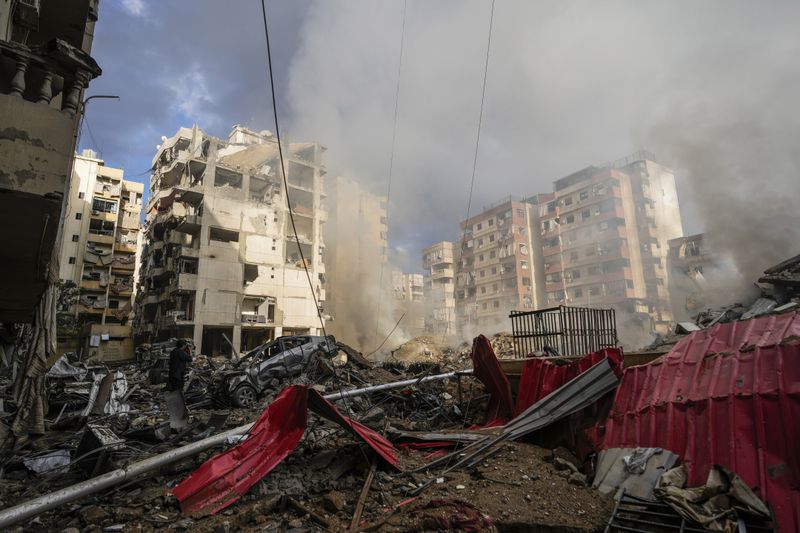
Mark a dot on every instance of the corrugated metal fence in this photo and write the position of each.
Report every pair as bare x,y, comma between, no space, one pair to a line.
567,330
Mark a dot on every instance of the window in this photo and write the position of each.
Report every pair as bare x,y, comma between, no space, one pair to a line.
483,273
584,195
594,291
223,235
492,254
520,212
573,256
81,195
523,265
480,243
78,216
71,260
568,200
483,290
491,222
76,238
494,287
603,226
570,219
578,293
479,227
494,270
526,282
594,270
480,257
576,274
496,304
590,251
551,207
585,214
491,237
629,283
484,306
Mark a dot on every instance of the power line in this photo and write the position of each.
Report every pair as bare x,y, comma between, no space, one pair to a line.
391,169
283,169
477,136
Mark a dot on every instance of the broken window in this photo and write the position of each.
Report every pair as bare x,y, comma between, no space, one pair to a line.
223,235
301,175
227,178
78,216
103,206
76,238
101,227
250,273
71,260
188,265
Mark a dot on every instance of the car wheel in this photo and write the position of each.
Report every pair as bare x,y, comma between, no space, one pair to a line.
244,396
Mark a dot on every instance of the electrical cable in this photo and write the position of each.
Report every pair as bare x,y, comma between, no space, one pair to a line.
391,169
387,336
289,204
283,169
477,136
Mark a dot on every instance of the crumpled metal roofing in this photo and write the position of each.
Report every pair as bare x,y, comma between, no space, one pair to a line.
727,395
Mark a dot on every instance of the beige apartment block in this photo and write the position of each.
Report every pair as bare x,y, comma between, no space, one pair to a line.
694,276
500,268
605,233
220,260
438,262
98,255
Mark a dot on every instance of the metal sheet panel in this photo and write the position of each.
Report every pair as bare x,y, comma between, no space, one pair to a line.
727,395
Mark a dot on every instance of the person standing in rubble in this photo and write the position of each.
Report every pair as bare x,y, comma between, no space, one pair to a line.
179,357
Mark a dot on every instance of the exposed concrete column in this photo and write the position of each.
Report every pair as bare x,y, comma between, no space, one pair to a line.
278,331
197,336
237,337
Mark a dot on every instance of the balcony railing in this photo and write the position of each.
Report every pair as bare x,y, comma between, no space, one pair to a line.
43,72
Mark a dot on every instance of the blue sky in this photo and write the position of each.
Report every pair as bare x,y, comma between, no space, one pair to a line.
710,87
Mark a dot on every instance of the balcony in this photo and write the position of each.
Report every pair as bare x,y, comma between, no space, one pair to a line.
255,320
183,283
176,318
91,285
100,238
190,224
125,247
107,216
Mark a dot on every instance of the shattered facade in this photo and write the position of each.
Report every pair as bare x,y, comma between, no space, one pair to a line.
438,263
219,256
408,291
99,255
605,235
690,260
500,267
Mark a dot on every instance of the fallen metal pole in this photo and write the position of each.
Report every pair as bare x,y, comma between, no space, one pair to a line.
394,385
39,505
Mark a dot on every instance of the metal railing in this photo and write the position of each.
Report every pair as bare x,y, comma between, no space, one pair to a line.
563,330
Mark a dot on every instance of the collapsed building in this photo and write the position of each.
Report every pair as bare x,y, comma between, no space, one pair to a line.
98,260
220,263
44,68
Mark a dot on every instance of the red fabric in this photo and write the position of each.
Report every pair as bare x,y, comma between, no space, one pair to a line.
728,395
226,477
540,377
487,369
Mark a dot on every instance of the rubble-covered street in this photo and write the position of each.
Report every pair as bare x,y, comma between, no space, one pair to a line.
404,266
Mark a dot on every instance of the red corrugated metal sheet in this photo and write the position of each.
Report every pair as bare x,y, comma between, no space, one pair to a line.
226,477
487,369
729,395
540,377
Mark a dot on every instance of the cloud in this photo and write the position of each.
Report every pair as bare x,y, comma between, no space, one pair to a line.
192,98
134,7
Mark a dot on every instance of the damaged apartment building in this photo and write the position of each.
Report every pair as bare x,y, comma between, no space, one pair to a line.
45,65
600,239
98,260
220,263
438,263
605,234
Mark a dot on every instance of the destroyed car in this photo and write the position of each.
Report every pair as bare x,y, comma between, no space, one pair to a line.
279,359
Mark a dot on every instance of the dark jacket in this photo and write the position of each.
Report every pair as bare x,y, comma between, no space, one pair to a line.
178,359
